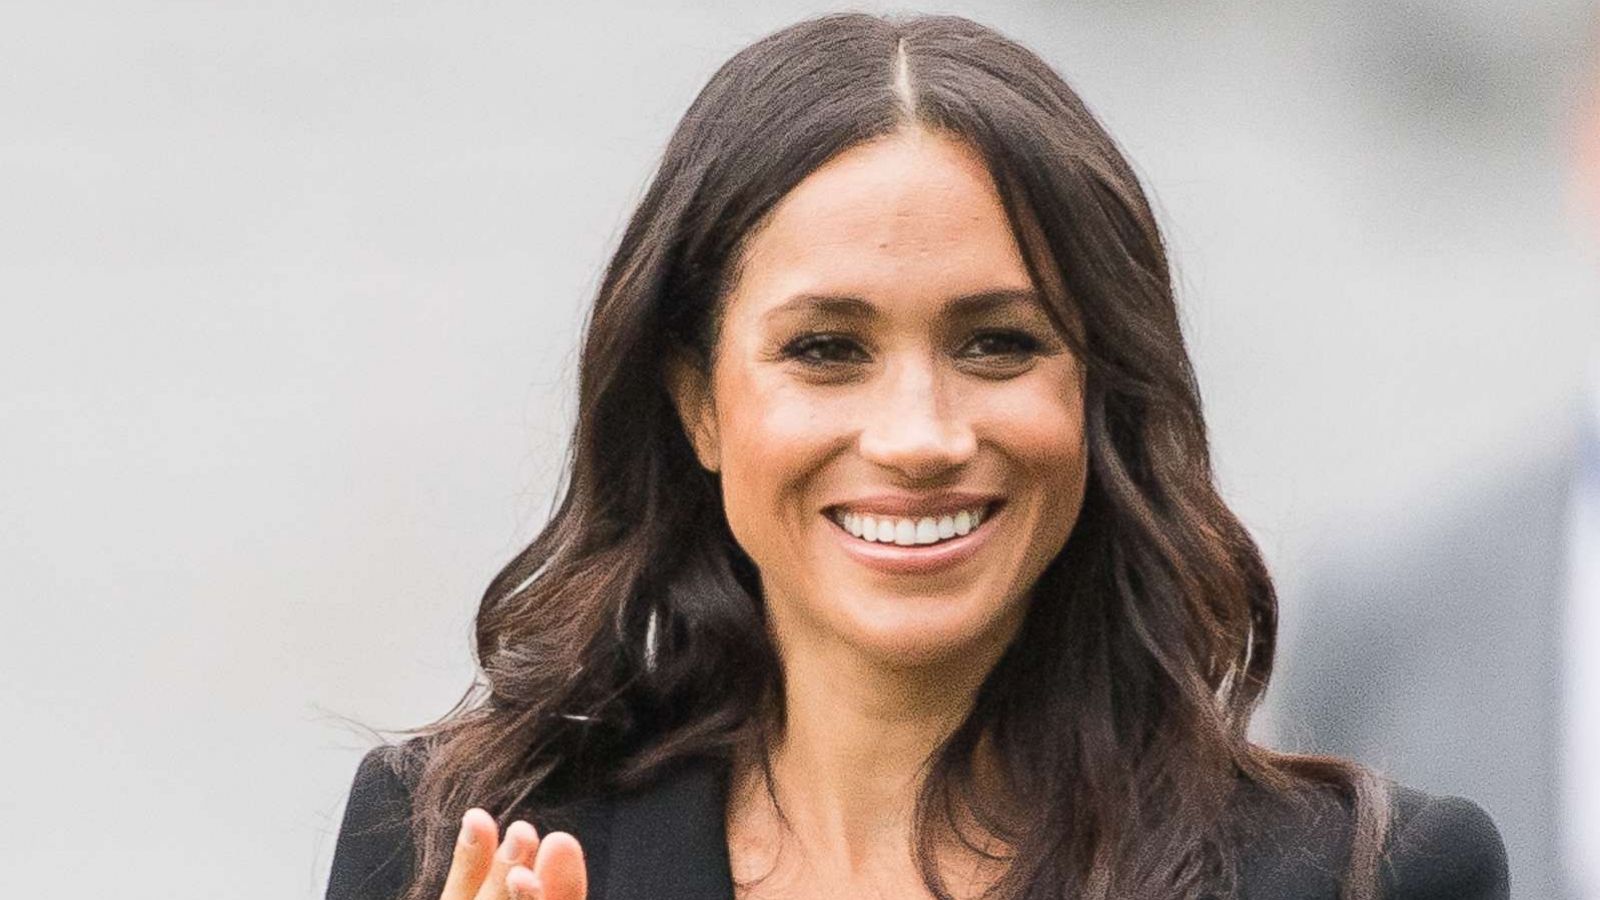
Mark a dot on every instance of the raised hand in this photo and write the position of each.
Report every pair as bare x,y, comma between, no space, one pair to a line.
521,867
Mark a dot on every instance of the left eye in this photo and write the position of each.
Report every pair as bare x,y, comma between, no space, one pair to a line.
1001,343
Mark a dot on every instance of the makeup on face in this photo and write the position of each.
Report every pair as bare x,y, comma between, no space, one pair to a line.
896,419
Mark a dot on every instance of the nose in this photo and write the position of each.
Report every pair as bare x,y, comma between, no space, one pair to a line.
914,427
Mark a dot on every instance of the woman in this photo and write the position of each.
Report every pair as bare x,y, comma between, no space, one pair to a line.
890,562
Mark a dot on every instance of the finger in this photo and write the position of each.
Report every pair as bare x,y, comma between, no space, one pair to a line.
469,863
522,884
559,868
516,848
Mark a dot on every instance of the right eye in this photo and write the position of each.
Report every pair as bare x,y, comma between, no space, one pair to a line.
824,350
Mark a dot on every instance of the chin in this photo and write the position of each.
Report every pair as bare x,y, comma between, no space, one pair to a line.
902,638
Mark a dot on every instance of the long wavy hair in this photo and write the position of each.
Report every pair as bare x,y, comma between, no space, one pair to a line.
629,638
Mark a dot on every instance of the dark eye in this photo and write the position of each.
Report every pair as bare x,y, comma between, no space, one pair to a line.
1002,343
824,349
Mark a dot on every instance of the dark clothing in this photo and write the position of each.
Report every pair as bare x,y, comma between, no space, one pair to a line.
669,842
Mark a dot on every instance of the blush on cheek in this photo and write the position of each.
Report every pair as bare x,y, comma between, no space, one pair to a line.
765,520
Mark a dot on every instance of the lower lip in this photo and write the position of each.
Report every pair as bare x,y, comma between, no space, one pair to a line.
915,559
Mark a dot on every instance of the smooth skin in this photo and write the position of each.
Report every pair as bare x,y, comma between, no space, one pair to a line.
522,867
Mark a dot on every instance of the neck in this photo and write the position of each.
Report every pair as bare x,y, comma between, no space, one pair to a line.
850,757
854,746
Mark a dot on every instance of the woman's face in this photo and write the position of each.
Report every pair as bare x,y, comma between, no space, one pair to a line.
885,364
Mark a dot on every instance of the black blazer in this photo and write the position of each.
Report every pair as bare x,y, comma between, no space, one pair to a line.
669,842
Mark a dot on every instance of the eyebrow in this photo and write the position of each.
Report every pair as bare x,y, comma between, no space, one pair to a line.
848,306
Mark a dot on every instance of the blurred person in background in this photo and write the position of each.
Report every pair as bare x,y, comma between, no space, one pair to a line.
1455,645
1580,762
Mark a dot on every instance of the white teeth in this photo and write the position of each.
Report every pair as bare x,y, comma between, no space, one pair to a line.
908,532
905,531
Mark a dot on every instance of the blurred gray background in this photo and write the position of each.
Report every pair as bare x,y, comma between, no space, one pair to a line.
289,304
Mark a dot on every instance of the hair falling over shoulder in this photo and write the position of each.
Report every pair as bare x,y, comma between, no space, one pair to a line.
629,636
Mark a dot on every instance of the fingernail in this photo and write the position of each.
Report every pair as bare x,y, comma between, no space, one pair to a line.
467,835
511,847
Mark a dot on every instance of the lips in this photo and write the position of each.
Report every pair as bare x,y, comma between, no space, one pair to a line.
911,530
912,558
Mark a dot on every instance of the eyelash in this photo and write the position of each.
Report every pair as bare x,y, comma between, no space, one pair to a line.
1026,346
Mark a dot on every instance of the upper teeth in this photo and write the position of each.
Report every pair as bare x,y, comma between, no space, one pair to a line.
906,531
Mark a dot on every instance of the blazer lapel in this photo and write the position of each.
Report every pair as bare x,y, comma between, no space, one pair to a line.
669,841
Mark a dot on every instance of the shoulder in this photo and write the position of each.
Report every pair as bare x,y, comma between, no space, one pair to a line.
372,858
1443,846
1298,844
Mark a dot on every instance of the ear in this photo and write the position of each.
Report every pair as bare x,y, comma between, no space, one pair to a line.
689,384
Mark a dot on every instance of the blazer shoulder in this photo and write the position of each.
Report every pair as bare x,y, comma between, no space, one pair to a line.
1443,847
1297,844
372,859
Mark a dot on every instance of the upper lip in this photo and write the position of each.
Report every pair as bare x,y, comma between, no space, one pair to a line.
916,505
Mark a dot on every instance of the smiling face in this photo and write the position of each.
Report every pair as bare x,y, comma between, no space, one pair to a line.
897,423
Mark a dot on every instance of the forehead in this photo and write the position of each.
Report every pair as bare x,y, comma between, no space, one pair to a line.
913,217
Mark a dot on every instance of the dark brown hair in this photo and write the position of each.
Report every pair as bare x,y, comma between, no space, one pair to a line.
629,637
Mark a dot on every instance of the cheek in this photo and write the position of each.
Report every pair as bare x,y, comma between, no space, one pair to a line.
1040,428
772,441
1038,418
